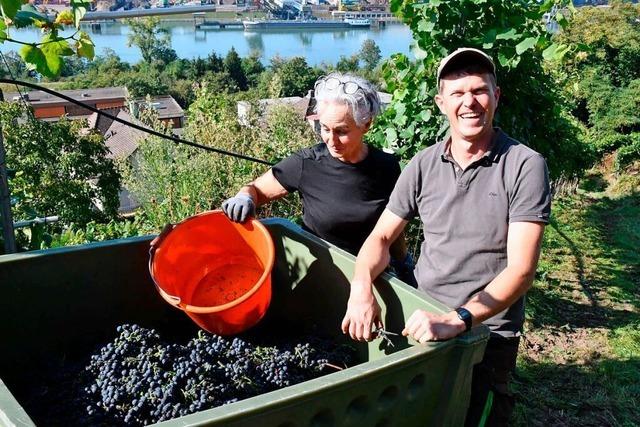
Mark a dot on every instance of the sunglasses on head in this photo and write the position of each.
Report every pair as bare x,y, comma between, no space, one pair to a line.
333,83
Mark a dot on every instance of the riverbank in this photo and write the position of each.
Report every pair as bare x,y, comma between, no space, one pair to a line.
189,42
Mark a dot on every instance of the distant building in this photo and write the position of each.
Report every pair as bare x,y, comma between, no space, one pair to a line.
123,142
110,99
47,106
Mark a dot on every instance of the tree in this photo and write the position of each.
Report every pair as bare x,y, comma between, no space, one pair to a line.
47,56
292,76
143,83
233,67
370,54
60,169
13,66
604,76
532,106
348,64
214,63
252,68
153,41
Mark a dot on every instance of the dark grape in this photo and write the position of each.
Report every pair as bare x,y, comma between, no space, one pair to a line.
139,379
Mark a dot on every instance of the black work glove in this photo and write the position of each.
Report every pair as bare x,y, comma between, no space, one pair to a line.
239,208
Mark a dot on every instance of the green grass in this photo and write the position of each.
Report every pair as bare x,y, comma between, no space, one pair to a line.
579,362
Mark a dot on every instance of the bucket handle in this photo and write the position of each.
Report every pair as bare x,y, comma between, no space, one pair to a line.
173,300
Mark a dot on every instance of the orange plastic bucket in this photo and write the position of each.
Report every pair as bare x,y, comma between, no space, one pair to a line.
215,270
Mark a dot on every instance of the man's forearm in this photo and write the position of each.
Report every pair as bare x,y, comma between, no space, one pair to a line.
372,259
500,294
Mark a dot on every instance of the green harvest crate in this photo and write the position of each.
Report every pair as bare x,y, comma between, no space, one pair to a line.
59,305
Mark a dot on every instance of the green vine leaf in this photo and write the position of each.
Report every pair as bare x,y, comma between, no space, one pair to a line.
10,7
508,35
555,52
418,52
25,18
3,31
85,46
391,136
426,26
526,44
79,8
547,6
34,58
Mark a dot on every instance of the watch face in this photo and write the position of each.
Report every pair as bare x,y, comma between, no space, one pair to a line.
465,316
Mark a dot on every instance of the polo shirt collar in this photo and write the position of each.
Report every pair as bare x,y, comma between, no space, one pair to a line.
497,143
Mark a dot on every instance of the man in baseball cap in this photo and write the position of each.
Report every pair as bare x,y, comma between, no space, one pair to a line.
465,57
483,199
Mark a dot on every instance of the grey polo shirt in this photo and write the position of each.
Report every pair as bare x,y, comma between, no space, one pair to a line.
466,216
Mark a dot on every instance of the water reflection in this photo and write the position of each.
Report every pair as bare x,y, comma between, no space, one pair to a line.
305,38
190,43
255,41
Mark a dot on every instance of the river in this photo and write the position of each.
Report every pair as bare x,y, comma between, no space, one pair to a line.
316,46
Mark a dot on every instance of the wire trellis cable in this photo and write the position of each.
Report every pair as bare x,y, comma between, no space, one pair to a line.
134,125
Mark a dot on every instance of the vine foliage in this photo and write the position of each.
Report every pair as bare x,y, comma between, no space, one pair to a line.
532,108
47,56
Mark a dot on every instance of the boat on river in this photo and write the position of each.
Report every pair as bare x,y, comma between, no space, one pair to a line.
252,25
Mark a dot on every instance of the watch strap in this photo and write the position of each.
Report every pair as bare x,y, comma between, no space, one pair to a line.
466,316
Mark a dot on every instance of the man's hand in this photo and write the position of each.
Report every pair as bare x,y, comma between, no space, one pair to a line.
423,326
363,314
239,208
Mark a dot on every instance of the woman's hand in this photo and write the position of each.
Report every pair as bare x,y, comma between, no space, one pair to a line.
363,313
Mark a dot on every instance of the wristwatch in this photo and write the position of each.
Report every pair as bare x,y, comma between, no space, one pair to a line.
465,316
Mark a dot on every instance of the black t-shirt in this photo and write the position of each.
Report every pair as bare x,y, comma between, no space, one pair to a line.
342,201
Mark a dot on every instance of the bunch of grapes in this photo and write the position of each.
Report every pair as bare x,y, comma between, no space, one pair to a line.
138,379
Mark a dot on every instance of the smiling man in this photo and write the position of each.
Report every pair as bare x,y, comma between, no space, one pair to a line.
483,199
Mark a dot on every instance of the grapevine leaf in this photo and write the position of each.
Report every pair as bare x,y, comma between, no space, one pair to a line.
418,52
391,135
3,31
34,58
526,44
85,46
555,52
25,18
79,8
503,59
561,20
425,115
10,7
56,45
65,17
547,6
508,35
426,26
